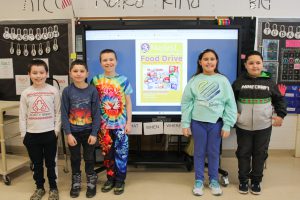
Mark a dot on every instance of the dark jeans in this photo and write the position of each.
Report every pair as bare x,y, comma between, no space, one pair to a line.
42,146
88,153
252,152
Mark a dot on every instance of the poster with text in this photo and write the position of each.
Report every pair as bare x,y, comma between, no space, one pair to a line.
161,72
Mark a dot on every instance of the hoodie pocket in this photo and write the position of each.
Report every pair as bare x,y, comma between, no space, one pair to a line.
245,116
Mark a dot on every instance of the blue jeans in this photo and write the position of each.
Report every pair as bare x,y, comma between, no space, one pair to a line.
207,141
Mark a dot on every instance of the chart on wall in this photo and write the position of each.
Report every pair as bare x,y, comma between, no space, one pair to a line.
22,42
279,42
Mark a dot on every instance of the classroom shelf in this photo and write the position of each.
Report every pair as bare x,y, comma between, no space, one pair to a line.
9,163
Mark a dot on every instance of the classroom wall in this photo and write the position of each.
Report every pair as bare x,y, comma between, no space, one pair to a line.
52,9
282,138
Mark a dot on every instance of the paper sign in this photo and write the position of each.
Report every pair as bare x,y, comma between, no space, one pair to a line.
172,128
22,82
153,128
6,68
78,43
73,56
136,128
292,43
296,66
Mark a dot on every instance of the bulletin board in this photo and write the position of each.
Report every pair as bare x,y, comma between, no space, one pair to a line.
278,39
22,42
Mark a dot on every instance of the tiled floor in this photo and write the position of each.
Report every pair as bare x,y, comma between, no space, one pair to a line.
281,182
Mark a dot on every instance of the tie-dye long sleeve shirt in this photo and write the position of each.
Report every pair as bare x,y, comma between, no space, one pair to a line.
112,92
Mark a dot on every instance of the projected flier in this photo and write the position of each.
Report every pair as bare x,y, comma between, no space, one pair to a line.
159,62
160,71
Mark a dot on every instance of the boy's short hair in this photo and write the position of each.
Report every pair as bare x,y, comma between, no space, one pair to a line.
78,62
107,51
253,53
37,62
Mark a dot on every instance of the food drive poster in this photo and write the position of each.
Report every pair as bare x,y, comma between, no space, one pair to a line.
161,72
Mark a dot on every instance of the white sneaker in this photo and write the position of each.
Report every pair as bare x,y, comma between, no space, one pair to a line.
215,188
198,188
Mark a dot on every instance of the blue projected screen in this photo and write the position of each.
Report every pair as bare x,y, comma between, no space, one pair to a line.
159,62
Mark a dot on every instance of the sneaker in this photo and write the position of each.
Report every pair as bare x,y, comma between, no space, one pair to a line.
198,188
243,187
215,187
108,185
76,185
255,188
38,194
119,188
53,194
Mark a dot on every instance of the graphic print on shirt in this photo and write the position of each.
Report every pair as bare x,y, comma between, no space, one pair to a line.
111,98
80,114
40,109
39,106
207,91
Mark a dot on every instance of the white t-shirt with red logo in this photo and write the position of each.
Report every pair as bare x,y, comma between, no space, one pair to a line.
40,110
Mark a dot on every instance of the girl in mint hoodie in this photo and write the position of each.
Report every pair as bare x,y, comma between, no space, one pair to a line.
208,111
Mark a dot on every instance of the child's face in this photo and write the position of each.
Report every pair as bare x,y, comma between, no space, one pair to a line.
109,63
254,65
38,75
78,73
208,63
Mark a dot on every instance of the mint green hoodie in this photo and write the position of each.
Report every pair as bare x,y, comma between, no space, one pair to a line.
207,98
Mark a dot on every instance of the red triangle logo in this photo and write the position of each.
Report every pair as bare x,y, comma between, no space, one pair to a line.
39,106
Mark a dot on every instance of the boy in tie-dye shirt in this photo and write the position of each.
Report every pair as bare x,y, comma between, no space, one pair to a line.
115,107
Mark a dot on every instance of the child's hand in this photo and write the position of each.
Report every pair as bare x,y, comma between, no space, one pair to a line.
128,128
186,132
282,89
71,140
277,121
225,134
92,140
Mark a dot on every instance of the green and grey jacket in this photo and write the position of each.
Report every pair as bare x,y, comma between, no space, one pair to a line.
255,99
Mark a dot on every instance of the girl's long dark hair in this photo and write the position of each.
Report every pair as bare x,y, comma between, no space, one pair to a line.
199,67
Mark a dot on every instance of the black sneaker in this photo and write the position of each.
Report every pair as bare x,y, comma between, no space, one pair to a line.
119,188
108,185
243,187
255,188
